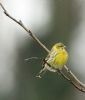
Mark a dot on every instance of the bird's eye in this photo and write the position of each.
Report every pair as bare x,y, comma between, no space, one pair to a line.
60,46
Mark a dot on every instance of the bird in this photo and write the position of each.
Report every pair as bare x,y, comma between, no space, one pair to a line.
55,60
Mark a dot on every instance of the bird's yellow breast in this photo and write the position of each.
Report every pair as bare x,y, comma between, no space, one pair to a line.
60,59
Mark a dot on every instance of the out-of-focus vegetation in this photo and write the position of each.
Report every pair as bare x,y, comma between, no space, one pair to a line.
64,19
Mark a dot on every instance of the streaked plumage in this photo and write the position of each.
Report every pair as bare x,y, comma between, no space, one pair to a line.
56,58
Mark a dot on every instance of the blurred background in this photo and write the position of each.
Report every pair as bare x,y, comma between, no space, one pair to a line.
52,21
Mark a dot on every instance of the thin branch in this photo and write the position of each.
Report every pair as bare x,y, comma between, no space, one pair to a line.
23,26
74,80
71,77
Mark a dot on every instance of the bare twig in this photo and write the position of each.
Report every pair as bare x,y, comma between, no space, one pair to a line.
33,58
74,80
71,77
23,26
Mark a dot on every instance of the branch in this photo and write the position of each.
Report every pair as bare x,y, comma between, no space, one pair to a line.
23,26
74,80
71,77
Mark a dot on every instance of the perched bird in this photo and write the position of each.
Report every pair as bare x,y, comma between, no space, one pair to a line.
55,60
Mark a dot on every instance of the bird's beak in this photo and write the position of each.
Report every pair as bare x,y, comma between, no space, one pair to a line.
64,46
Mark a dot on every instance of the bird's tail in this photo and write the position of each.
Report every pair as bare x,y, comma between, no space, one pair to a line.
41,73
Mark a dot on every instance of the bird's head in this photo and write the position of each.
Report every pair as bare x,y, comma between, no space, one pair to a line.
59,46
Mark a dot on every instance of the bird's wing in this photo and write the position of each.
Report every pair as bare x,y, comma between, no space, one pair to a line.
51,56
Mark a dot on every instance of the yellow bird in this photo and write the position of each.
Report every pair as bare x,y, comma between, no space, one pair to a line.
56,59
